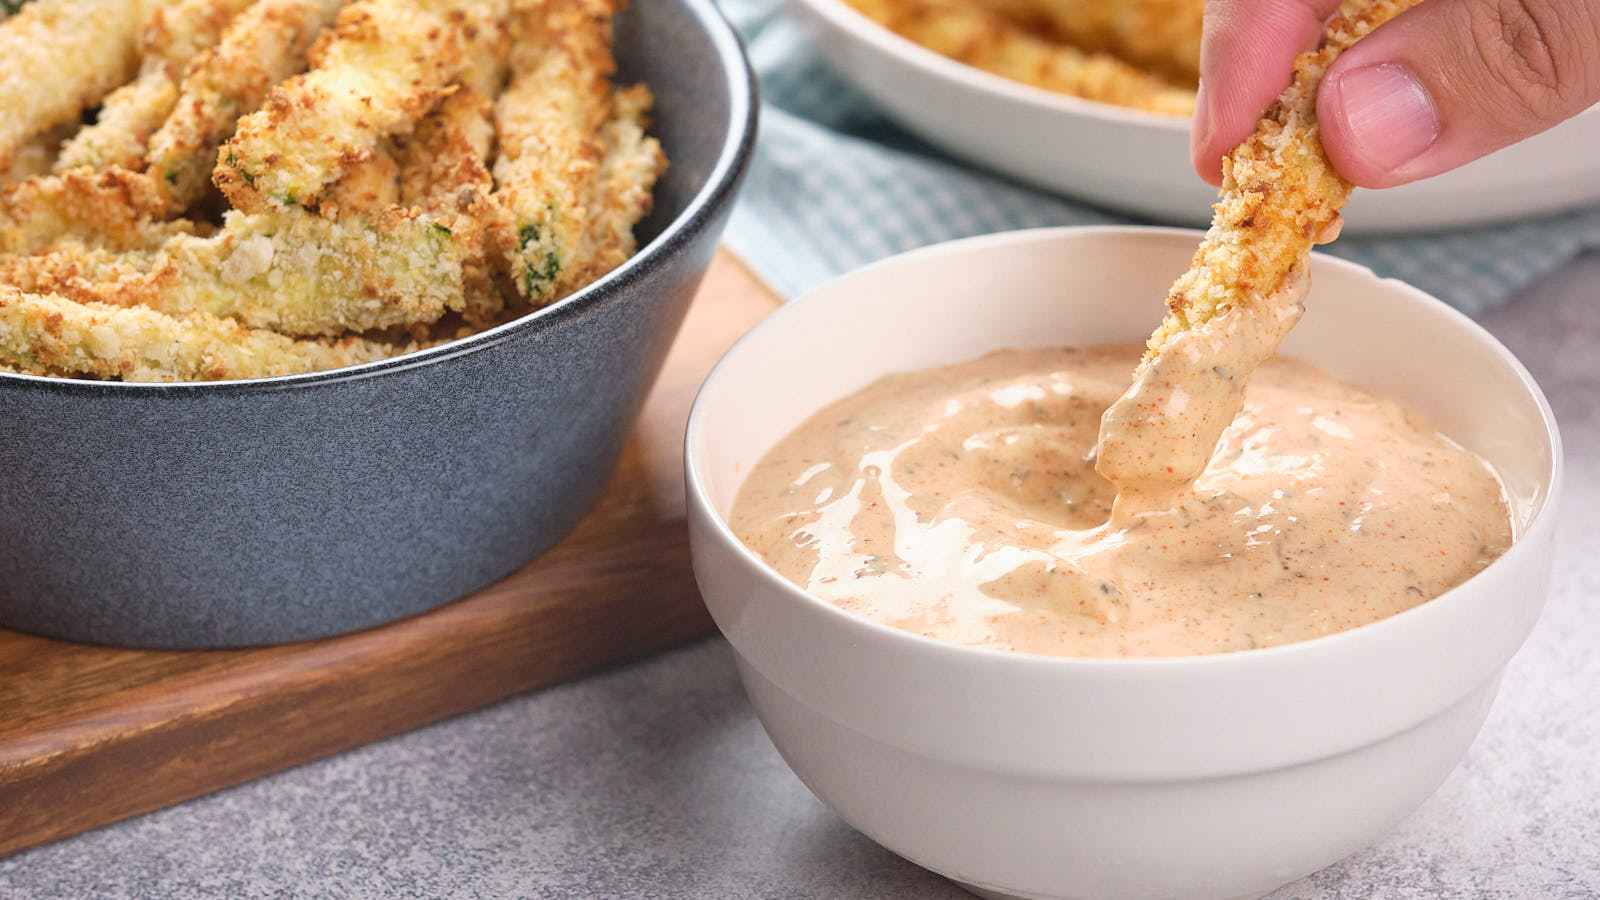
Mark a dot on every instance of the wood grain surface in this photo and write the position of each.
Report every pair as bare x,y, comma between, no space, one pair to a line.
90,735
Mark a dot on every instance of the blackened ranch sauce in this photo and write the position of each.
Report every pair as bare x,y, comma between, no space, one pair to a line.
964,503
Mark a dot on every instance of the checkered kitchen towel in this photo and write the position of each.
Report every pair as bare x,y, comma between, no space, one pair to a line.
835,185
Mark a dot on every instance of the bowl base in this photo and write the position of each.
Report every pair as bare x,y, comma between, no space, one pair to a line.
992,894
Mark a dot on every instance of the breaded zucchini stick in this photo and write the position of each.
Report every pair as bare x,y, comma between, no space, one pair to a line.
1160,35
172,33
43,334
444,164
261,47
127,119
178,30
293,271
620,194
384,64
968,33
36,156
1244,289
1280,194
548,119
367,189
111,207
486,39
444,172
100,207
59,57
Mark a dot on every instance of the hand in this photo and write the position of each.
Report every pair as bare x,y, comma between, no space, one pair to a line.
1440,85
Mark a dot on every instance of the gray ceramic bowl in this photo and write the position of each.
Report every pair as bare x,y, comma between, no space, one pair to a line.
255,512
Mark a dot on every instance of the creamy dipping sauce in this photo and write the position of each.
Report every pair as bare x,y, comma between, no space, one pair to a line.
962,503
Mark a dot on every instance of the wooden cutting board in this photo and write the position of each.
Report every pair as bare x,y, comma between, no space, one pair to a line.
89,735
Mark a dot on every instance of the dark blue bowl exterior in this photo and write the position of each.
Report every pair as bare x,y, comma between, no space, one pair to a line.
260,512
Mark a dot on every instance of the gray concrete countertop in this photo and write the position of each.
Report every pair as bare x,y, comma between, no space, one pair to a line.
656,780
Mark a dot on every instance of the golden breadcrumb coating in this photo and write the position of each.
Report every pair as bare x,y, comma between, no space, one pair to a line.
59,57
1280,194
368,188
292,271
36,156
42,334
95,206
172,33
620,194
444,163
128,117
384,64
485,27
1242,295
177,31
548,121
264,45
444,172
111,255
968,33
1160,35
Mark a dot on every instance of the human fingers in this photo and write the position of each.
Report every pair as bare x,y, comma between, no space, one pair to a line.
1245,57
1453,80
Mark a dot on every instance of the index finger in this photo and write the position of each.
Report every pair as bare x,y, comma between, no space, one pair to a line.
1246,55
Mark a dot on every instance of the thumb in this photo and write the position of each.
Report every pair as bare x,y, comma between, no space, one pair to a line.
1452,80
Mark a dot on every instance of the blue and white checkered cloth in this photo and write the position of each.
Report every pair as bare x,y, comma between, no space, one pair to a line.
835,185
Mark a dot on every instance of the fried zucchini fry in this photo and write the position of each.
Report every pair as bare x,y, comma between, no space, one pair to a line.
1160,35
36,156
486,39
370,187
444,172
365,197
43,334
173,32
1280,194
113,206
59,57
621,192
444,164
264,45
99,207
127,119
1245,288
293,271
968,33
177,31
384,64
548,119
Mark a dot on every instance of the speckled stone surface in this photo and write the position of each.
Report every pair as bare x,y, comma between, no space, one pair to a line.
656,780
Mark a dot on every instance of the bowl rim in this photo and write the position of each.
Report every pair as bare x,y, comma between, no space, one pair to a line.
853,22
1540,517
713,196
846,18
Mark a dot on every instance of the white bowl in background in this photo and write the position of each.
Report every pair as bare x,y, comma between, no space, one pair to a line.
1194,777
1138,162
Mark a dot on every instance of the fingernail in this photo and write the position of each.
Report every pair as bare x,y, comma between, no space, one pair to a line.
1390,114
1200,135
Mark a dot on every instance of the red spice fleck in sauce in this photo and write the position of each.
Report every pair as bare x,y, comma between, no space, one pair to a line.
963,503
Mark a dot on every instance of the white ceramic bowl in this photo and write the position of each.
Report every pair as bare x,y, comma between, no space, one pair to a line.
1209,776
1138,162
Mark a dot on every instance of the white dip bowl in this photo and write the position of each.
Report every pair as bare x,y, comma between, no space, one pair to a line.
1209,776
1138,162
